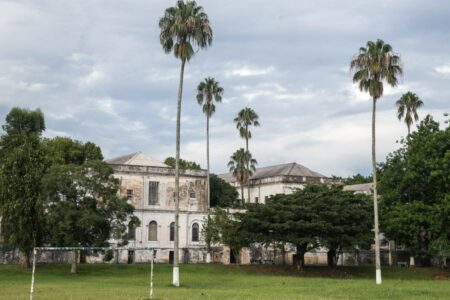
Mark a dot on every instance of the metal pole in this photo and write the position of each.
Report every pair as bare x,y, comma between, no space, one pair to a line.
32,274
151,275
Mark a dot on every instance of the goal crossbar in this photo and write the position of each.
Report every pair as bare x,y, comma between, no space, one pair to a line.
36,249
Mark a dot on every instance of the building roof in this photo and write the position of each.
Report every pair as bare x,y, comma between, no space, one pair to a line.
289,169
361,187
136,159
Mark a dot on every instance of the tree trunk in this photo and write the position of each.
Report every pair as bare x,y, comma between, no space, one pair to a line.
248,167
300,258
73,270
331,258
25,259
408,129
242,193
375,198
176,268
208,188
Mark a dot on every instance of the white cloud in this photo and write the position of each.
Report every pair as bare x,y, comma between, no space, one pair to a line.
244,71
443,69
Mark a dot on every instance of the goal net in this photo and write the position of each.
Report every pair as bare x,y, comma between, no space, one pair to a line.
37,250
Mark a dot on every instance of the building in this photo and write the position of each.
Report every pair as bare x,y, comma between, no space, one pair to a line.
150,186
277,179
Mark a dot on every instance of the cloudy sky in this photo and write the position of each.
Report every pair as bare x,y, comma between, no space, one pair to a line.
98,72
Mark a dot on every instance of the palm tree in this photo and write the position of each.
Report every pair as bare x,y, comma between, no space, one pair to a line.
242,165
373,65
407,107
246,117
208,91
183,26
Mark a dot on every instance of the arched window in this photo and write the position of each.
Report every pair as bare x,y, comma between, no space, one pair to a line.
131,231
152,231
172,232
195,232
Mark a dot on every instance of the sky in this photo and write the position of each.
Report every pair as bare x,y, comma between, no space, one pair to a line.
98,72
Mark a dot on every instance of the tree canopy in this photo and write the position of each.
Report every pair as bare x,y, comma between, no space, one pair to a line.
223,194
415,189
184,164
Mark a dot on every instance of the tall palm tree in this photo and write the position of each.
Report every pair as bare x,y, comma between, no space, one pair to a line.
242,165
373,65
183,27
246,117
208,91
407,107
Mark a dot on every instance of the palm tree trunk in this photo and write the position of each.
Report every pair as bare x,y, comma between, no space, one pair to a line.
208,188
208,191
73,269
408,129
375,198
176,268
248,167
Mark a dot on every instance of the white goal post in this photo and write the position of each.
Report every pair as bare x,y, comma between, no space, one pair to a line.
36,249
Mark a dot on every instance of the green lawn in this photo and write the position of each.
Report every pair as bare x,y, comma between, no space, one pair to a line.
222,282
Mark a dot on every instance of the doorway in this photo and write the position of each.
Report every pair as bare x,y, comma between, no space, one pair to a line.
130,256
171,257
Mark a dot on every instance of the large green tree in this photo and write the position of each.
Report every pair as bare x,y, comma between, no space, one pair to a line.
22,166
242,165
223,194
407,107
415,189
208,91
183,164
246,118
82,206
373,65
64,150
183,27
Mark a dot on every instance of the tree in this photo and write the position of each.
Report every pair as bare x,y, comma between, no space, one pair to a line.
357,179
208,91
183,164
407,107
415,189
242,165
373,65
64,150
225,228
246,117
183,26
22,166
223,194
284,218
82,206
345,220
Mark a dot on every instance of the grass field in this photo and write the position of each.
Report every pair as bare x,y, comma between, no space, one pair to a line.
222,282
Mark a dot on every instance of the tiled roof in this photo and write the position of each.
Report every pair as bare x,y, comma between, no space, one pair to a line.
361,187
289,169
135,159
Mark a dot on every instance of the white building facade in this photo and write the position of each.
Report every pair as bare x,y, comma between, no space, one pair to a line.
150,186
277,179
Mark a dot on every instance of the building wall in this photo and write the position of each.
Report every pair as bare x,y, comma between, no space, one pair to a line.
193,209
264,191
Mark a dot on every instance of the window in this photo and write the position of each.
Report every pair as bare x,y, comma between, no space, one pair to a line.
172,232
152,231
256,200
266,197
153,192
191,194
131,232
195,232
129,194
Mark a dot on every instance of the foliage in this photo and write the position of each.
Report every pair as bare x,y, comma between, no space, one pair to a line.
207,91
184,26
357,179
224,227
64,150
23,163
184,164
242,165
407,107
223,194
415,189
246,117
316,215
373,64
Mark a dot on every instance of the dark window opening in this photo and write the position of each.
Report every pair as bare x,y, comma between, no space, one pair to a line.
153,195
172,232
195,233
